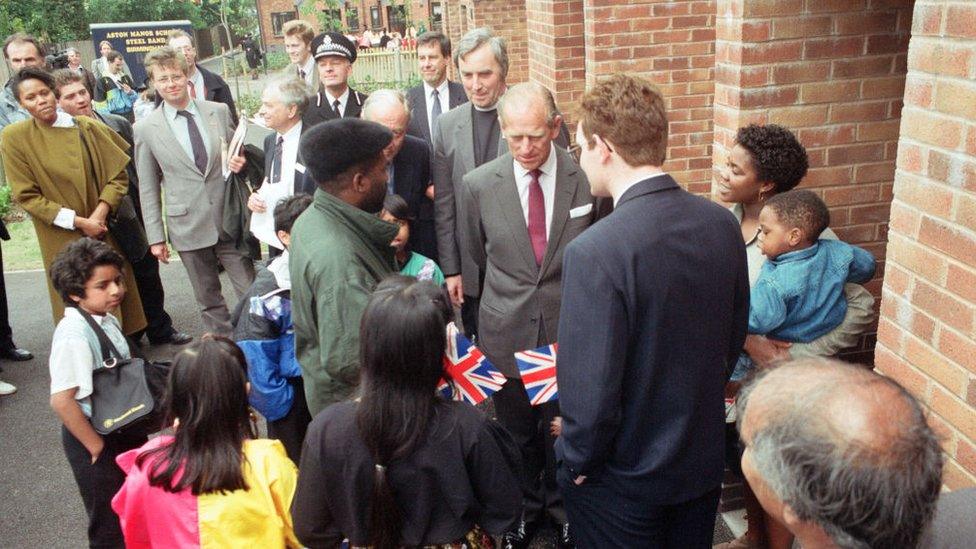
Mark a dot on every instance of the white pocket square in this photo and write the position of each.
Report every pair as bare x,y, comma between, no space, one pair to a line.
580,211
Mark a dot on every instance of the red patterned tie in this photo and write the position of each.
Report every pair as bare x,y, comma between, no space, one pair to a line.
537,218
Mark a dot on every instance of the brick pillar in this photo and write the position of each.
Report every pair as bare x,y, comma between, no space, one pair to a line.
556,50
673,45
834,72
927,331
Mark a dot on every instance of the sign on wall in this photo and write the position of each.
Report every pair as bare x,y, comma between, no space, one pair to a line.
134,40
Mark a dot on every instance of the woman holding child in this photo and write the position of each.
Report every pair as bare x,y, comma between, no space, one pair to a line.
69,174
766,161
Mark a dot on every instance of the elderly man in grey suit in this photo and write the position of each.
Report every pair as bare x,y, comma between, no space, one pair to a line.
179,150
436,94
519,212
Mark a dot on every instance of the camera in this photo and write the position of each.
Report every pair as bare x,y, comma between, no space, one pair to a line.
57,60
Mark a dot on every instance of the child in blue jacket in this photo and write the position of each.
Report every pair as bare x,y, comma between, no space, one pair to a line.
263,329
799,295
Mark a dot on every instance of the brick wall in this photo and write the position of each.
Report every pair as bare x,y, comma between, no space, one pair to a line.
834,72
507,18
673,45
927,331
557,51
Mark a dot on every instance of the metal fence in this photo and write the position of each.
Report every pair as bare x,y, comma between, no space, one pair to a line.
385,68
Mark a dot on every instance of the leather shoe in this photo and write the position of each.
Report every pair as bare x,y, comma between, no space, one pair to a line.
13,353
174,338
520,538
565,540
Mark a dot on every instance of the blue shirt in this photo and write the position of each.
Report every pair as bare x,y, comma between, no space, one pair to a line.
799,296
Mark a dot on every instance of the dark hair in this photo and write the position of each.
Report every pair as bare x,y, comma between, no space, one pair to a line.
288,210
112,56
22,37
65,77
776,154
30,73
801,209
76,263
434,37
207,392
396,206
402,340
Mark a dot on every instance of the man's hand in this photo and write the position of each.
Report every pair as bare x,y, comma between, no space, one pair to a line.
429,193
160,251
90,228
455,289
579,480
236,163
256,204
766,352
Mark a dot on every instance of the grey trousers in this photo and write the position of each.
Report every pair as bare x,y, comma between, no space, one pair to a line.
201,266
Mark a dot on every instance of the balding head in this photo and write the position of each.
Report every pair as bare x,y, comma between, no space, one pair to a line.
838,450
389,108
529,122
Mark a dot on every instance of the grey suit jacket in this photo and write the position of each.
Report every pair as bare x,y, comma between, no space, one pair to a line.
452,159
519,300
194,202
292,70
419,124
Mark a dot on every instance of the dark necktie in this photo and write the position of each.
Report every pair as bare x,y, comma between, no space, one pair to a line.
335,107
193,88
435,110
537,218
276,161
196,142
301,73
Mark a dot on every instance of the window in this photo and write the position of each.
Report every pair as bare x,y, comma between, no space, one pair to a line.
352,18
332,20
436,16
375,19
397,18
279,19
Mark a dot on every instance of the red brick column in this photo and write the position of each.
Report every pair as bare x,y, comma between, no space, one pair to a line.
834,72
673,45
927,331
556,50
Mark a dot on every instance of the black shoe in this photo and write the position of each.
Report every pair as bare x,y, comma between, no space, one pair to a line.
565,540
520,538
15,354
174,338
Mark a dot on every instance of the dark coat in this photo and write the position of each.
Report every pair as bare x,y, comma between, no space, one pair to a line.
654,311
419,124
411,177
121,126
303,181
319,109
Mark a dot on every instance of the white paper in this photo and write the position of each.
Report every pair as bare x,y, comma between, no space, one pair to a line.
262,224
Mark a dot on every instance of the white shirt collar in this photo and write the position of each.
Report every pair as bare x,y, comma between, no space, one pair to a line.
170,111
100,319
279,268
64,120
343,99
294,133
442,91
625,188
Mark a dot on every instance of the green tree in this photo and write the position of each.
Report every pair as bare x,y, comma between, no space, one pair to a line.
123,11
49,20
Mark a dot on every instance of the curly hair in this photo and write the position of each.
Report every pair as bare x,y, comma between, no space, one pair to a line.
776,154
76,263
801,209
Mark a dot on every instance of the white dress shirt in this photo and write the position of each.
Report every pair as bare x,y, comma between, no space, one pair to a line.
289,155
343,99
198,86
177,123
625,188
547,180
443,95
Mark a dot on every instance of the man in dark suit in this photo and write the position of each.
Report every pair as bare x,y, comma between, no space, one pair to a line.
334,56
436,95
282,103
201,83
520,211
409,168
75,99
655,308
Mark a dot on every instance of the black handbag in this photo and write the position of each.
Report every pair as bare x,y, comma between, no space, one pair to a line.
126,392
123,224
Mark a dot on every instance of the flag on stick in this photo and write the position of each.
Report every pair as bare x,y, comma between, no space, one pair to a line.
538,369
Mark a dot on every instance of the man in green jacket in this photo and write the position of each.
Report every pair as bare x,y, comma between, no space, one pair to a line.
340,250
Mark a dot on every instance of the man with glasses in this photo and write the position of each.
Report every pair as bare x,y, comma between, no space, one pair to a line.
178,149
201,83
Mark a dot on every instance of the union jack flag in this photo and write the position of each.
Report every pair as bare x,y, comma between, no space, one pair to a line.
538,369
475,379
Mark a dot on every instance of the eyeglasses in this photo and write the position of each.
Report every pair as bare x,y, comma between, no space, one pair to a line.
164,80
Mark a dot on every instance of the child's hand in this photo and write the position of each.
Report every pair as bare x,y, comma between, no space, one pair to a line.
97,451
556,427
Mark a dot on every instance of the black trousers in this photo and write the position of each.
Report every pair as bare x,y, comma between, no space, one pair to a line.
602,516
290,430
469,316
159,325
98,482
529,426
6,334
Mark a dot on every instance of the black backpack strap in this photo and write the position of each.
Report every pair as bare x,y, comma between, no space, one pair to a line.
109,350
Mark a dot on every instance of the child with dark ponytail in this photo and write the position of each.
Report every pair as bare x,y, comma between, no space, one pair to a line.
400,466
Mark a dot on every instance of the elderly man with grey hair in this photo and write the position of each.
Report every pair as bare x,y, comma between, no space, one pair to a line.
408,168
283,101
842,456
